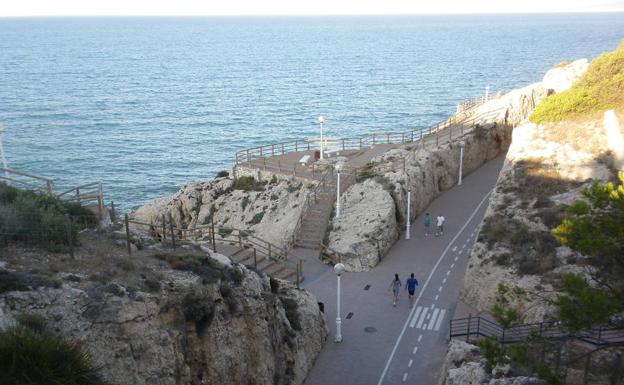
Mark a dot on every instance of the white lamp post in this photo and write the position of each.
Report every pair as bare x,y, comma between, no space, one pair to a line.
409,222
4,162
338,168
321,120
461,161
339,268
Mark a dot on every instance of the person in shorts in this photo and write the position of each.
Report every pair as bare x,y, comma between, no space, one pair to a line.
396,288
410,286
440,225
427,223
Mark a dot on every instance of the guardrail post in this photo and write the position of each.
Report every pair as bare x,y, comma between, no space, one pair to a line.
78,195
248,157
296,146
412,136
478,326
343,144
173,243
127,234
164,230
261,152
272,150
297,276
468,330
70,238
112,213
49,186
373,139
212,230
282,148
388,138
308,146
100,201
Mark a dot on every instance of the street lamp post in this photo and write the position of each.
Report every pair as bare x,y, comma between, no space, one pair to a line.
321,120
339,268
409,222
461,161
338,168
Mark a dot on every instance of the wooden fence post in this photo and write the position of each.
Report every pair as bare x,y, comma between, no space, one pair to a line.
173,243
70,237
127,234
212,228
112,213
164,230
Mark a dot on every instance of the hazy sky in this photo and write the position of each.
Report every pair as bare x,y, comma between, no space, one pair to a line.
296,7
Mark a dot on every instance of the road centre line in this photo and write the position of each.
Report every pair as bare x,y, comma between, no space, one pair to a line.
409,364
440,289
419,338
404,376
436,297
452,265
398,341
444,280
415,350
448,272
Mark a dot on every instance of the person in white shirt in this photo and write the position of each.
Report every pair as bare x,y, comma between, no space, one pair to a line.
440,225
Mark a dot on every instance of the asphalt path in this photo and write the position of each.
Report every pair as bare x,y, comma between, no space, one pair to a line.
404,344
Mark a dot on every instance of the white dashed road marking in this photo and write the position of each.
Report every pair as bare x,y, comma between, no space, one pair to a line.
415,350
452,265
448,272
440,289
404,376
409,364
433,319
444,280
415,318
433,270
440,318
436,297
419,338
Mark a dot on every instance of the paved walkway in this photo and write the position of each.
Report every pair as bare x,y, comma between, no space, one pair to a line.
383,344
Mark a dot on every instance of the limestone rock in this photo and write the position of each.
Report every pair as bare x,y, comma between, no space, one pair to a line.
366,227
472,373
227,331
269,213
560,79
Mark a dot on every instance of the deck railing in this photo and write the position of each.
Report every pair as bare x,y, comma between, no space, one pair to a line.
26,181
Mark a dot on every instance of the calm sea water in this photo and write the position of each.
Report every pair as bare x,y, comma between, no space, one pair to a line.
146,104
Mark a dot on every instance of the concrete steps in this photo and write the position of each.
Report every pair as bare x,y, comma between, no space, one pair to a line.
271,267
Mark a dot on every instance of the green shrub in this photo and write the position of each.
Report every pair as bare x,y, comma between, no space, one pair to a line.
28,357
600,88
34,322
248,183
199,309
256,218
40,219
223,174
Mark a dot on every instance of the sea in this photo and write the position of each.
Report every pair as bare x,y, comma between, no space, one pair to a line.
146,104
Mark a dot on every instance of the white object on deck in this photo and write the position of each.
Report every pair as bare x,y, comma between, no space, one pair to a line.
329,153
304,159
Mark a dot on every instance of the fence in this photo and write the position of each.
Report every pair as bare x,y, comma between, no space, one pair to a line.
86,194
167,232
481,327
26,181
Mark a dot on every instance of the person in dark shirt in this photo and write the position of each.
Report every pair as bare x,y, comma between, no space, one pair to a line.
410,286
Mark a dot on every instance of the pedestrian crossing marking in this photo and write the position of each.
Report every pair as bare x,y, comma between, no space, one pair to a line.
425,320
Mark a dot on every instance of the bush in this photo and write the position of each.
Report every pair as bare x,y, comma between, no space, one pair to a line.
223,174
40,219
17,281
256,218
248,183
600,88
31,357
199,309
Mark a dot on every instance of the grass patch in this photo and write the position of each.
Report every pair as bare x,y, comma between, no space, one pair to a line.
29,357
18,281
209,269
366,172
599,89
223,174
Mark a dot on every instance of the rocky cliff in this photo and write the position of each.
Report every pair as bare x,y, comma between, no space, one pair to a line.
267,208
179,318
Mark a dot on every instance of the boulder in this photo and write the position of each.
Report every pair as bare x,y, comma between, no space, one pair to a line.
367,225
560,78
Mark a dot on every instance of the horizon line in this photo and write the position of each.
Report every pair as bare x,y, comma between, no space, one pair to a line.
326,14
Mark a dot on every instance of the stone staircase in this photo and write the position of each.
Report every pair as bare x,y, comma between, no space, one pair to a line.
317,217
249,257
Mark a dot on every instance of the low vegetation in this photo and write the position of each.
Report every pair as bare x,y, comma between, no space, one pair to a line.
40,219
599,89
30,355
248,183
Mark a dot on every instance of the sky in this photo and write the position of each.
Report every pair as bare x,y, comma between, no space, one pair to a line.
297,7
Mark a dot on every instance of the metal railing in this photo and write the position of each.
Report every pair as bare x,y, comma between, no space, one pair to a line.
481,327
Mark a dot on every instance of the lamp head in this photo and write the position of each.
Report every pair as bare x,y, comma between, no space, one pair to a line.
321,119
338,166
339,268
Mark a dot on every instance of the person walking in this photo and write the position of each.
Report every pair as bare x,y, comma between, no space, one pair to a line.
427,223
440,225
396,288
410,286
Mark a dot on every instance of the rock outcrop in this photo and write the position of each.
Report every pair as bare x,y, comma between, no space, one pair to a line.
222,326
269,209
367,226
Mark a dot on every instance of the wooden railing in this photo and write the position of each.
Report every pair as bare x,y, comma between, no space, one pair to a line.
26,181
86,194
168,233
